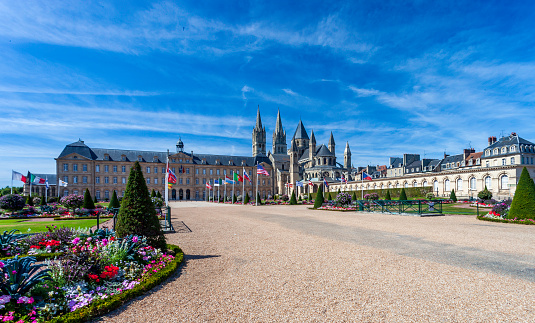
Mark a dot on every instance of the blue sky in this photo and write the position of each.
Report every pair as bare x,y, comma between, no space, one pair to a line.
390,77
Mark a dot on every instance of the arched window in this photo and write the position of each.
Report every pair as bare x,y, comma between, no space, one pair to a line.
414,184
397,185
424,184
488,182
447,185
389,185
487,152
406,185
435,186
504,182
512,148
473,183
459,184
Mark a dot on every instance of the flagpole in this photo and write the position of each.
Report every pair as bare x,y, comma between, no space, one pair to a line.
362,186
30,185
46,189
256,195
243,188
225,188
218,184
167,180
232,199
12,182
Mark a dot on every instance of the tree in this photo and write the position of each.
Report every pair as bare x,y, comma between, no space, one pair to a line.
354,196
258,199
523,205
43,201
485,194
319,198
387,196
329,197
403,195
152,194
234,199
72,201
88,201
309,197
300,199
246,198
95,199
159,194
137,214
338,191
29,200
114,202
293,200
453,197
12,202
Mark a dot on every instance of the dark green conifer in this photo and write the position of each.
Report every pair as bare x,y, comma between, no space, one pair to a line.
523,205
453,197
29,200
319,198
159,194
234,198
95,199
293,200
403,195
114,202
137,214
152,194
387,196
258,198
88,201
354,196
43,201
246,198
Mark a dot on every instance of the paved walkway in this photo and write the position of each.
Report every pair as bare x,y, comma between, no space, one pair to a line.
292,264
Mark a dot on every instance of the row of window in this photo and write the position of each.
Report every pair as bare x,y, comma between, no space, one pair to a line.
154,170
503,184
148,179
98,194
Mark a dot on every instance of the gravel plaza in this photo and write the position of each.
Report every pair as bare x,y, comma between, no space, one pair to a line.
294,264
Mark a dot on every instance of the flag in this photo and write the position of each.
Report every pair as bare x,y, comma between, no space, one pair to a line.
298,183
288,184
18,177
228,180
38,180
325,182
366,177
62,183
208,186
310,183
217,182
344,180
32,177
246,176
238,178
171,177
261,171
46,183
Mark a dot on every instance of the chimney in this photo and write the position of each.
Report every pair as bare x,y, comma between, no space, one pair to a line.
446,155
492,140
467,152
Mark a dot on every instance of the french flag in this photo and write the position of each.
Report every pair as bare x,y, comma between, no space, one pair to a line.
325,182
366,177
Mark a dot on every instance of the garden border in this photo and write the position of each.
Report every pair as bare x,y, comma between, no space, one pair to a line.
483,218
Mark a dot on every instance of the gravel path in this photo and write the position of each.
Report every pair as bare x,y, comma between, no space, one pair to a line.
292,264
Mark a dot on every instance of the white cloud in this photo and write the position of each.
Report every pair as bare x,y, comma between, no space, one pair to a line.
290,92
364,92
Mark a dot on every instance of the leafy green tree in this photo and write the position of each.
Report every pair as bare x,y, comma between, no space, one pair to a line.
485,194
453,197
137,214
430,196
403,195
246,201
387,196
293,200
29,200
523,205
319,198
88,201
114,202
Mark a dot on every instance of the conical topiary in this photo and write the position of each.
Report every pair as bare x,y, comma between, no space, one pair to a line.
329,197
309,197
403,195
319,198
387,196
523,205
246,198
300,199
43,201
88,201
159,194
258,199
137,214
338,191
453,197
29,200
293,201
114,202
354,196
95,199
152,194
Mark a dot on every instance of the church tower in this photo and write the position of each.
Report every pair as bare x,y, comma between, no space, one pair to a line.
259,137
347,157
332,144
279,137
312,148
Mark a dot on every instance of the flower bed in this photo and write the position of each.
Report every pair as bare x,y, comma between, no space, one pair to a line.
91,273
336,208
493,218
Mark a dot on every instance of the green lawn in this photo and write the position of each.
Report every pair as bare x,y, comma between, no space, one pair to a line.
451,209
23,224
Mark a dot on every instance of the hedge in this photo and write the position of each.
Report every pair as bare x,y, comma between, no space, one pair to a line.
394,192
526,222
103,306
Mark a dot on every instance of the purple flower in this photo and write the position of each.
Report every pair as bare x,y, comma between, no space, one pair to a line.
75,240
135,239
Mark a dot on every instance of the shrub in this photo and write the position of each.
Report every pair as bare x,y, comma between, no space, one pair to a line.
72,201
453,197
234,199
309,196
114,202
36,200
246,198
429,196
354,196
12,202
387,196
328,197
153,194
285,198
293,201
500,209
343,199
159,194
523,205
88,201
137,214
300,198
319,198
29,200
158,202
95,199
403,195
370,196
52,199
43,201
485,194
258,199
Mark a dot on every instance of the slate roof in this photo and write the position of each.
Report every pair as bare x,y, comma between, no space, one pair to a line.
323,151
453,159
148,156
300,132
509,141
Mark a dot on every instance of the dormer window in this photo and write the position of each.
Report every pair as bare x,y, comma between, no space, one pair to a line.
487,152
155,159
512,148
139,158
106,157
470,162
504,150
495,151
478,161
123,157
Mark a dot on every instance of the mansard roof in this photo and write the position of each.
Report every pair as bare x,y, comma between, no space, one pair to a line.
453,159
161,157
300,132
513,139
